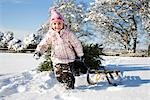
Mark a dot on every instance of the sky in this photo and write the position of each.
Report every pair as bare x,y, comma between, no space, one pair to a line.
23,16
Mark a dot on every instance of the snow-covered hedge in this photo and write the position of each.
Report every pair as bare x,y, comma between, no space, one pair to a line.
14,44
31,41
1,35
5,38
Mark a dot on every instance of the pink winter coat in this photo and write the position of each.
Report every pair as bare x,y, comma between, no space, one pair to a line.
62,45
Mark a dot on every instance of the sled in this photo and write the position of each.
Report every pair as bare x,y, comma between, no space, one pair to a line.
102,73
112,76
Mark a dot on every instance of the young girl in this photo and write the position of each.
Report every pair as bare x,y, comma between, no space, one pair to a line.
64,48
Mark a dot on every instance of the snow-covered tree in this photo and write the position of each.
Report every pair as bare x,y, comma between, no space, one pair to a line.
1,35
74,14
145,14
31,41
14,44
118,20
5,38
43,29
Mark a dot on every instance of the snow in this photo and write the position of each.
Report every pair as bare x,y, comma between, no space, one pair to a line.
19,80
11,63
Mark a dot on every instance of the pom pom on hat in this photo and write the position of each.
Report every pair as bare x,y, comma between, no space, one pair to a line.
56,16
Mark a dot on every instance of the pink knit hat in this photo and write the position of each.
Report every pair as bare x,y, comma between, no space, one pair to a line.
56,16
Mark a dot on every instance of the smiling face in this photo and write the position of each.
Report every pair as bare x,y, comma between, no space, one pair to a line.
57,26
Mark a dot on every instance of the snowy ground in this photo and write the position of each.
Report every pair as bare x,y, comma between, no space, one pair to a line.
19,80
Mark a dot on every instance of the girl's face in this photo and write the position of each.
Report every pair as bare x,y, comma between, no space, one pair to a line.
57,26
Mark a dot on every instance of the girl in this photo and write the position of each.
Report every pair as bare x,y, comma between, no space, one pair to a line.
64,48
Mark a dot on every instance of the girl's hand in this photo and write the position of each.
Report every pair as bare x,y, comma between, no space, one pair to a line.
37,55
80,59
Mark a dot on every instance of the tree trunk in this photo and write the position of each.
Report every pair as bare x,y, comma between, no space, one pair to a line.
127,40
134,45
134,34
149,50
